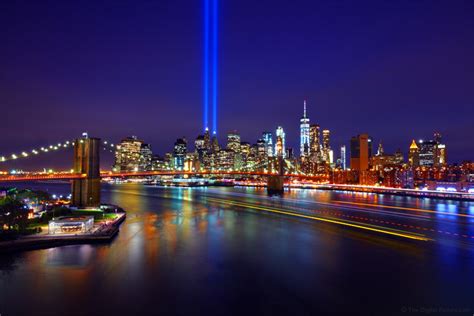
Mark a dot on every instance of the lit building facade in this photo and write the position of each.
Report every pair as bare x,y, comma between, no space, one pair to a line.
280,148
268,139
343,157
314,143
326,146
414,155
179,153
233,142
127,155
146,156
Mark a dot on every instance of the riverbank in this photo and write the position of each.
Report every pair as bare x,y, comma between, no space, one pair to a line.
103,234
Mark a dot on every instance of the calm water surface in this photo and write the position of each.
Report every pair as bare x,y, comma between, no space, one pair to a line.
178,253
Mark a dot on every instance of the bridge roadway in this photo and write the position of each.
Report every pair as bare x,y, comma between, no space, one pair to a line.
73,176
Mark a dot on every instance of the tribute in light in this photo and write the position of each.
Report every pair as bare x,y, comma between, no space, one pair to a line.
210,66
206,65
214,65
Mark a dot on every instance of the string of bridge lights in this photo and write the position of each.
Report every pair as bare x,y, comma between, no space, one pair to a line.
106,145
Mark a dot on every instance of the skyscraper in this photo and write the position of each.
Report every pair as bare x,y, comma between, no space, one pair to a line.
200,148
427,153
267,138
304,133
326,145
361,151
146,156
343,157
179,153
233,142
207,140
440,151
314,143
414,155
127,155
280,148
262,150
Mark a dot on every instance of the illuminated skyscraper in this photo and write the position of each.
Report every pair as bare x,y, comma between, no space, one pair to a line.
199,146
127,155
215,144
262,151
414,155
280,148
440,151
427,153
179,153
146,156
343,157
304,133
268,139
207,140
314,143
326,145
233,142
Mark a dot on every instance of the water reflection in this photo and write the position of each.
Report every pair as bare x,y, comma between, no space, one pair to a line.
178,253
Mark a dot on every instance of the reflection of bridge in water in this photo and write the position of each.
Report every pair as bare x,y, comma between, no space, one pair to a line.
86,175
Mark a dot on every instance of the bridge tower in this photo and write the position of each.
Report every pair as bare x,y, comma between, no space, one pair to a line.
86,191
275,183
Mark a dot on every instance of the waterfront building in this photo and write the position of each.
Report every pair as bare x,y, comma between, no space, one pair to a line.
304,133
71,225
179,153
361,151
280,148
127,155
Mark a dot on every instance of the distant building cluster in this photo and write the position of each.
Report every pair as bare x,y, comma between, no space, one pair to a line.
367,163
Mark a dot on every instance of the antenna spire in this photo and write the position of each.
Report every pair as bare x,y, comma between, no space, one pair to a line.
304,108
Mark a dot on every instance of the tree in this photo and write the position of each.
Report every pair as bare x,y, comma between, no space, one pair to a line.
13,214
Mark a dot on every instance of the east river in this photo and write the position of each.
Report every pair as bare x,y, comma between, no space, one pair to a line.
235,251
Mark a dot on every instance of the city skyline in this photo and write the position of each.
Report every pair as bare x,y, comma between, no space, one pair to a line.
386,80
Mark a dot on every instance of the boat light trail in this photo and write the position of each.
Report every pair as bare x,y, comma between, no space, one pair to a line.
372,228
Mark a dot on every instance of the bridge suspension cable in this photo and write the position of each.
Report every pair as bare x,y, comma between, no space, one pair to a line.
106,145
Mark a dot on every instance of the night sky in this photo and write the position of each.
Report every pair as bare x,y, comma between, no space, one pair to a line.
396,70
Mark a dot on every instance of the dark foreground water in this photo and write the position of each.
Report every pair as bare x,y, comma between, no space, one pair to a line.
182,253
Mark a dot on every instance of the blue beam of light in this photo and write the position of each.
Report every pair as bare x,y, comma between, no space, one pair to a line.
206,66
214,66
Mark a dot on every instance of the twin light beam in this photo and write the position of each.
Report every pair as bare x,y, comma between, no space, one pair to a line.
210,62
